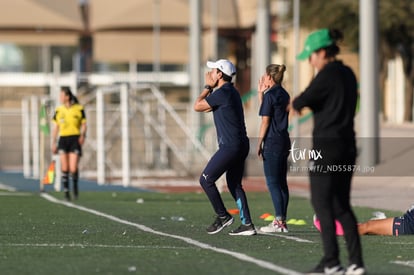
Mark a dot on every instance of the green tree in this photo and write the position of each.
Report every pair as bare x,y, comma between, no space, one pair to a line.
397,37
396,33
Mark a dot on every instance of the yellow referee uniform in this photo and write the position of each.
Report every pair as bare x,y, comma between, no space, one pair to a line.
69,119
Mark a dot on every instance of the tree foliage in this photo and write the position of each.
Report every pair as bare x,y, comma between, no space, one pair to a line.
340,14
396,31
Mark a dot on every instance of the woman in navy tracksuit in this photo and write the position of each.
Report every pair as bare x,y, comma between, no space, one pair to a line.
274,142
227,108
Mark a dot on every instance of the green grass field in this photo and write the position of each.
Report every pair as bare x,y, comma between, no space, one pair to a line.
111,233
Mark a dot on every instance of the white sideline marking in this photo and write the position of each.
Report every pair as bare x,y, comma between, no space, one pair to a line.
91,245
7,187
240,256
16,194
281,235
404,263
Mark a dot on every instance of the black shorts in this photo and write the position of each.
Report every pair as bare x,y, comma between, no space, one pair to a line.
69,144
404,225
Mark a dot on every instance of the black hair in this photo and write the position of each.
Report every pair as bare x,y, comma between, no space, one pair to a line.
72,98
333,49
225,77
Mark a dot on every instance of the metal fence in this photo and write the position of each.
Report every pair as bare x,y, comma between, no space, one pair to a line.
133,132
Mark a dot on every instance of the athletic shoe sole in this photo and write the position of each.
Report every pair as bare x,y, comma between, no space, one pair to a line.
265,229
244,233
355,270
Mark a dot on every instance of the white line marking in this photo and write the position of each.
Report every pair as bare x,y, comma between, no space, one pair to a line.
14,194
399,243
240,256
7,187
91,245
281,235
404,263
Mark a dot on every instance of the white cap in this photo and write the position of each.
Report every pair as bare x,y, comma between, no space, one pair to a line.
223,65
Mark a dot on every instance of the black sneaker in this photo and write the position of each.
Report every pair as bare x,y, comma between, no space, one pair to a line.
219,223
244,230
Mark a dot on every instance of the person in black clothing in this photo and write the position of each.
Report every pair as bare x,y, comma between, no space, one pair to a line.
332,97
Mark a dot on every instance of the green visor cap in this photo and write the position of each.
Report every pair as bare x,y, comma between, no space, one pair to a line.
315,41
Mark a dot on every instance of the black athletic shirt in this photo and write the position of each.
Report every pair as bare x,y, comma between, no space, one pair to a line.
274,104
332,96
228,116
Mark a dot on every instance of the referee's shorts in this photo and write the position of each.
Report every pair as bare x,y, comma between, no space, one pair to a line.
69,144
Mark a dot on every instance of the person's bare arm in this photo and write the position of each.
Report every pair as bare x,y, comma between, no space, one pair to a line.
201,104
55,132
376,227
262,87
264,126
83,134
